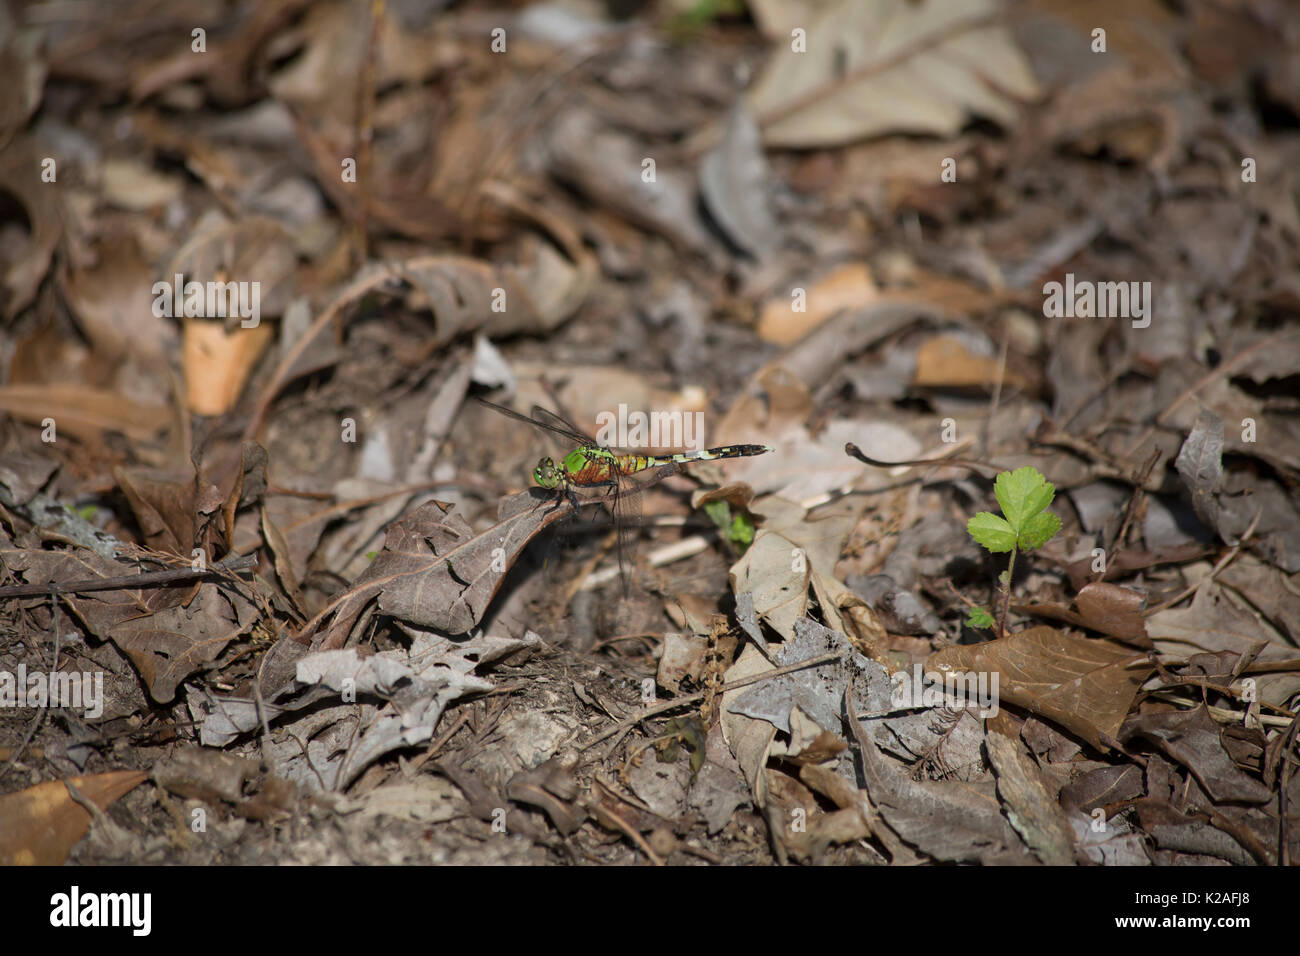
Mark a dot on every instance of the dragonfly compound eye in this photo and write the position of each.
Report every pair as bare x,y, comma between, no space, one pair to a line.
544,474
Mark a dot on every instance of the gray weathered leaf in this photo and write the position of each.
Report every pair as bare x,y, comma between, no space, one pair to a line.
1200,463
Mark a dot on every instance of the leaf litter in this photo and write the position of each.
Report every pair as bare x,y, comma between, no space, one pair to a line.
301,563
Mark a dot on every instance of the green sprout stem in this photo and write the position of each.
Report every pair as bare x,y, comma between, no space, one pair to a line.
1006,595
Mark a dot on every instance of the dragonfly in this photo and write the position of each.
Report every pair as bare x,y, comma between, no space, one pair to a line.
591,466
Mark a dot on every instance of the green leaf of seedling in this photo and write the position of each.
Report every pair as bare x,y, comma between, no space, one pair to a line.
1038,530
979,618
1023,493
742,531
737,528
696,18
991,532
719,513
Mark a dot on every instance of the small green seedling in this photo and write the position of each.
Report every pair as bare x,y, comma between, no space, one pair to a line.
1024,495
86,512
682,732
693,20
736,527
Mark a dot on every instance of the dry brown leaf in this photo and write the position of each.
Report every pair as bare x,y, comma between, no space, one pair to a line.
253,250
1112,610
135,186
83,412
1086,686
285,571
23,264
749,739
1194,740
435,572
947,819
606,165
164,507
1216,622
1030,805
1104,607
217,363
873,68
847,287
113,304
99,611
169,645
944,361
39,826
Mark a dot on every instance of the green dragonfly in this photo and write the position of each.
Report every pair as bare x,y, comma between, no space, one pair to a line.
591,466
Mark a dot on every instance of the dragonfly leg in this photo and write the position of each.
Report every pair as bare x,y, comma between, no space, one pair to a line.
612,487
559,500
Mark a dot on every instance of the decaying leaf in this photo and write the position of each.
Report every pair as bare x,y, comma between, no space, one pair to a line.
1200,464
947,820
886,67
1215,622
1086,686
816,691
40,825
169,645
1193,739
435,572
1029,805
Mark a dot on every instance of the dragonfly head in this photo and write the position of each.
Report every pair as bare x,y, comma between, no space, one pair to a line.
546,474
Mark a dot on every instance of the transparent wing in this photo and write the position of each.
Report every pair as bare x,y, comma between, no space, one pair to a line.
541,418
553,422
622,498
626,510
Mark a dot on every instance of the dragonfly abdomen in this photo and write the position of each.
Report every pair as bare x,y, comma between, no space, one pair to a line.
724,451
630,464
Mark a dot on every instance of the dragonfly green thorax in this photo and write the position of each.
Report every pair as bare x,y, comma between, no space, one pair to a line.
585,465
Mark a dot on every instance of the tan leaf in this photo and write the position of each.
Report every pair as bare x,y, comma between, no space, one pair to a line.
39,826
945,361
217,363
83,412
1086,686
890,66
846,287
